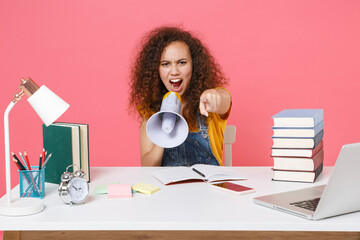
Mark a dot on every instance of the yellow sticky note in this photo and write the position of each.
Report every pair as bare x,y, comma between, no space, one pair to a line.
145,188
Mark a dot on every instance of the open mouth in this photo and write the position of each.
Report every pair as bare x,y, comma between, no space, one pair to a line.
176,84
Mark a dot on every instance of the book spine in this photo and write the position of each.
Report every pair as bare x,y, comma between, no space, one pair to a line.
319,117
319,127
318,138
318,159
318,171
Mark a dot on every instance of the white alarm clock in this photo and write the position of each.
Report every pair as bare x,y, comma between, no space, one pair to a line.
73,187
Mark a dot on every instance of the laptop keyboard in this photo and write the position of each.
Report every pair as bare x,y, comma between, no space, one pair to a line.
308,204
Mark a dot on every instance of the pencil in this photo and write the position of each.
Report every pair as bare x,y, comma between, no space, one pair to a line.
17,165
43,156
40,161
18,161
14,156
27,160
23,160
47,159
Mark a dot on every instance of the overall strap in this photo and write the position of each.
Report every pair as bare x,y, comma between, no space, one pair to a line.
201,124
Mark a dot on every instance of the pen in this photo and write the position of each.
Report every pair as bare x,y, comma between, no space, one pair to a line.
198,172
27,160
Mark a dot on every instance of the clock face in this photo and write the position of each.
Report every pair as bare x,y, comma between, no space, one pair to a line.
78,189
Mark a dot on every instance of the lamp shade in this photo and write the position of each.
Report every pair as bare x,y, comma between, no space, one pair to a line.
47,105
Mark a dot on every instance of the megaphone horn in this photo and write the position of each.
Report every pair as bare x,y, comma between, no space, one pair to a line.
167,128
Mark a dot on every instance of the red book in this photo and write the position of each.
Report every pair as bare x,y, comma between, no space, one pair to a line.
299,163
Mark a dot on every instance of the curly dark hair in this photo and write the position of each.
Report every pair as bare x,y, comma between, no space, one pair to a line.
146,87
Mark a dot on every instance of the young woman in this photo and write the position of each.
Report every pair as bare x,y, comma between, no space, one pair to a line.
171,59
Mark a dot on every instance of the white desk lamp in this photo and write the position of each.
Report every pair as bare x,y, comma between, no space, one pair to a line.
49,107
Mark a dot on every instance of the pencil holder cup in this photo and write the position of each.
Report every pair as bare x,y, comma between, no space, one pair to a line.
32,183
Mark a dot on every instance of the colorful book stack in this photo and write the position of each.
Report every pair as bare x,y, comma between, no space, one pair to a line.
298,145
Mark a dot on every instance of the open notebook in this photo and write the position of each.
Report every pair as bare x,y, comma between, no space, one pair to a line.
197,172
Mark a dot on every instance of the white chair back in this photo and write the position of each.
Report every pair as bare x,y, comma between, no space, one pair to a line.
229,139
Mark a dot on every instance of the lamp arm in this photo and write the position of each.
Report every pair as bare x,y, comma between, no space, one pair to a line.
7,152
48,113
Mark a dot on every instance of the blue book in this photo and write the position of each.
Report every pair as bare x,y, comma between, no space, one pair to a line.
298,131
281,142
298,118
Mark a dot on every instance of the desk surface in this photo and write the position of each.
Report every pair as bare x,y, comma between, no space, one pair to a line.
190,206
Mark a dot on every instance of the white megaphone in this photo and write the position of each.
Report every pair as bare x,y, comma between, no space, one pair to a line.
167,128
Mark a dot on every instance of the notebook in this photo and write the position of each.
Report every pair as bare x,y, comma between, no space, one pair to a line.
197,172
340,195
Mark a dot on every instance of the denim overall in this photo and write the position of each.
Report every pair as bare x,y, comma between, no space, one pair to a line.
196,149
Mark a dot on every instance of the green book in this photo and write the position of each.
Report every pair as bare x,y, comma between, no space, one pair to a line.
69,145
84,146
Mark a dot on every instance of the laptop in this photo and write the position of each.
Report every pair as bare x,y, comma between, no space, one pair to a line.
339,196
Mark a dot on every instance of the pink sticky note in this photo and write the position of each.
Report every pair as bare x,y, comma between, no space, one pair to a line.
119,191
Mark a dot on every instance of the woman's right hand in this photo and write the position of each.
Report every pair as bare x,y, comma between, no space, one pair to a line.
151,154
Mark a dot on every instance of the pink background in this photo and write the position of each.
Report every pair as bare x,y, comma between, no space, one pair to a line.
277,55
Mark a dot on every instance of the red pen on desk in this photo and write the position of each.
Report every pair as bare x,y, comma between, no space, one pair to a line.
27,160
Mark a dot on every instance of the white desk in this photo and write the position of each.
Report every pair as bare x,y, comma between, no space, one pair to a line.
190,206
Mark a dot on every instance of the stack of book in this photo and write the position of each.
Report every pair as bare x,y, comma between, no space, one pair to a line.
298,145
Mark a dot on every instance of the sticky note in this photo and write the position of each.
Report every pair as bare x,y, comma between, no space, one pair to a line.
101,189
119,191
145,188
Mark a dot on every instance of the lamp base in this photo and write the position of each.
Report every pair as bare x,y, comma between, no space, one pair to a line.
21,206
